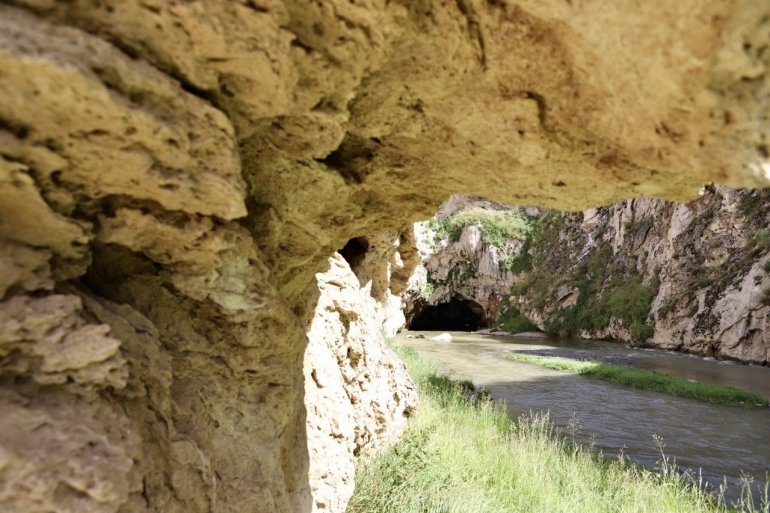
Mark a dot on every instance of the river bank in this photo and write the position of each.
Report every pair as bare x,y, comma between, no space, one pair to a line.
644,379
721,443
463,453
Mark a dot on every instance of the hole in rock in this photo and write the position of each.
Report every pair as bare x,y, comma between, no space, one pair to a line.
456,315
354,251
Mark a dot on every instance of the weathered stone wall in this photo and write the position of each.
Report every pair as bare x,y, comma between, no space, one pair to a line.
173,175
357,392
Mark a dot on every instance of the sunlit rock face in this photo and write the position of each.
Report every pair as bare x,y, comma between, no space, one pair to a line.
693,277
174,175
357,392
702,267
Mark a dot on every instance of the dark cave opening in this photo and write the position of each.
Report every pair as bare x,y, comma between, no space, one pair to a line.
457,315
355,251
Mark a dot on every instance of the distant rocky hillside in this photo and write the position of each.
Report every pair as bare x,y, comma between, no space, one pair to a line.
693,277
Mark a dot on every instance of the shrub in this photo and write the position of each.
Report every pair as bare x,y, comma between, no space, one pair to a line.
668,307
470,271
512,321
640,331
753,204
630,300
765,299
428,289
704,281
763,239
497,226
516,263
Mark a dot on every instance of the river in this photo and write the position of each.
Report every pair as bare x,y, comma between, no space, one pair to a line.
720,442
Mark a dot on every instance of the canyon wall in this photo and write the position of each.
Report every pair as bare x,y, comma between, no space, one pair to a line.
692,277
358,394
173,176
464,265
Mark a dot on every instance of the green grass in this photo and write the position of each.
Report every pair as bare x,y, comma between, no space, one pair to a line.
461,455
645,379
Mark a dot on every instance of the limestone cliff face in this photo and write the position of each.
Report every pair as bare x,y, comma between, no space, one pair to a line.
358,394
465,268
174,175
691,277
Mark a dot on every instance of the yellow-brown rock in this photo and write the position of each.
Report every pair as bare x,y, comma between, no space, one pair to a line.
184,169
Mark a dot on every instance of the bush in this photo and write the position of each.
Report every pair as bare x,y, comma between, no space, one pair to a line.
753,205
497,226
512,321
630,300
516,263
640,331
470,271
763,239
704,281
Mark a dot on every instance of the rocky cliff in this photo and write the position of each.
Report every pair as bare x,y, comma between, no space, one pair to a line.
462,261
173,176
693,277
358,394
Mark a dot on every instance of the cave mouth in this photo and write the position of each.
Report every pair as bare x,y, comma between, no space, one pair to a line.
354,251
456,315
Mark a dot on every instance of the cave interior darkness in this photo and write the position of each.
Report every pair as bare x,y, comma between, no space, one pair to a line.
458,314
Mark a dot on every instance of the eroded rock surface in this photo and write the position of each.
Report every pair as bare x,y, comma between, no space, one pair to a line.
357,392
692,277
173,176
467,268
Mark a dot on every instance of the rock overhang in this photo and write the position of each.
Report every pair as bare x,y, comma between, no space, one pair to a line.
209,157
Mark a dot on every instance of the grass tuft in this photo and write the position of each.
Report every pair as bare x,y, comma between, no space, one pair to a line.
460,455
645,379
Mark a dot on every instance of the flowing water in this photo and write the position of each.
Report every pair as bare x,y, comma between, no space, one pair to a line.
720,442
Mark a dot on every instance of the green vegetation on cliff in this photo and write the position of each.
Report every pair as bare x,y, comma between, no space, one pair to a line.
462,454
604,292
512,321
624,297
645,379
428,289
497,226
